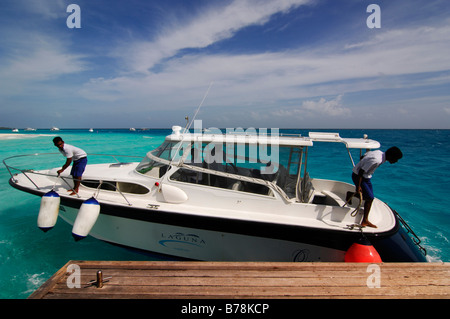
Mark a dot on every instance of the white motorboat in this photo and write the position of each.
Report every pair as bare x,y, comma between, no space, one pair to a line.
224,197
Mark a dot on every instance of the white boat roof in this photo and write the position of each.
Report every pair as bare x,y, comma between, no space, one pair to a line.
363,143
282,140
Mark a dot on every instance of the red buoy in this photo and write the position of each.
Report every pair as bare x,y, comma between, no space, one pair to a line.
362,252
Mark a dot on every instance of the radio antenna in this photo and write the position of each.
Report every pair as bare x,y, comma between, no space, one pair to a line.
198,109
188,125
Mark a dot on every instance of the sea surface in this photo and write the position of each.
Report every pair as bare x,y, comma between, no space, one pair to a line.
417,187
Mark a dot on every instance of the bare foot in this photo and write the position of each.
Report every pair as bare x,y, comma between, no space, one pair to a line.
368,224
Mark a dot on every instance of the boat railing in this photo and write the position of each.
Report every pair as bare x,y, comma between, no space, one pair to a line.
27,172
115,187
417,241
12,169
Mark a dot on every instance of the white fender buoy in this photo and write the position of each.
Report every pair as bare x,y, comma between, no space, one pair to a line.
173,194
48,212
86,218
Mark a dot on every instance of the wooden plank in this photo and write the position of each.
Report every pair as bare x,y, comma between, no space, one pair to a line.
170,292
250,280
254,281
45,288
143,273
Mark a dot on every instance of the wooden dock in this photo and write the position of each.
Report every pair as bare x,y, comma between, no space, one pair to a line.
229,280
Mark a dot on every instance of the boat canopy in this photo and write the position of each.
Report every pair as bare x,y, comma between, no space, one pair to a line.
241,137
361,143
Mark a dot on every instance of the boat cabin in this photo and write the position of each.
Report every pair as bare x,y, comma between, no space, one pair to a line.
255,163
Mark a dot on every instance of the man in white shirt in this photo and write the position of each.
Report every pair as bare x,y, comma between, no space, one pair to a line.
363,171
75,155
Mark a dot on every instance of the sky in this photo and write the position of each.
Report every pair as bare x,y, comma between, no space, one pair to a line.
253,63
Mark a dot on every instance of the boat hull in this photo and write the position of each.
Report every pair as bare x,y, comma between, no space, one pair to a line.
201,244
228,239
217,239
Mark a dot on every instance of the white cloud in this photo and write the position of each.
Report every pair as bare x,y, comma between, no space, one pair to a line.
276,80
33,58
324,107
213,25
44,63
309,109
275,76
48,9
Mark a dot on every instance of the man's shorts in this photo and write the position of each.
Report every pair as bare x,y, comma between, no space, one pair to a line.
78,167
366,186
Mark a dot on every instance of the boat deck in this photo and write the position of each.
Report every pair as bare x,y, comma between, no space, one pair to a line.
228,280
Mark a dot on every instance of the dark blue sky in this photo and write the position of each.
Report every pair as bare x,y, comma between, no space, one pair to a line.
273,63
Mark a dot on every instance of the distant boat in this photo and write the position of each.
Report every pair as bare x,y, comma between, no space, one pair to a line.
91,130
132,129
30,129
54,129
15,130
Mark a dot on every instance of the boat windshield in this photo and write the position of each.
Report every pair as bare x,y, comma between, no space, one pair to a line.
199,162
222,166
161,157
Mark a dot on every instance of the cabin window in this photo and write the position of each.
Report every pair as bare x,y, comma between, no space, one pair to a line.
124,187
240,159
195,177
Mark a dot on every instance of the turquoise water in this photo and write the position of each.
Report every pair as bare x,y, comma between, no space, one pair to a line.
417,187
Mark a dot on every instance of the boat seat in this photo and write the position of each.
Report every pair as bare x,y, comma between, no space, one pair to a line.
307,189
281,177
236,186
339,201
